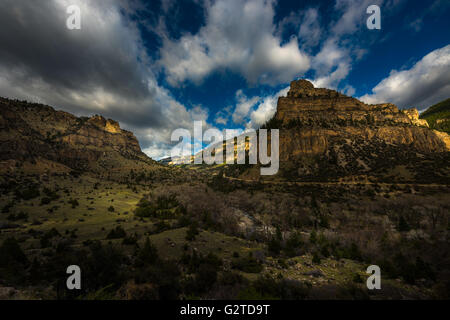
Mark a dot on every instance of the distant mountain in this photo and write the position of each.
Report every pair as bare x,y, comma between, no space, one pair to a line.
36,137
438,116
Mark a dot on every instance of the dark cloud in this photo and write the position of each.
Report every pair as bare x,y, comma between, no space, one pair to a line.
102,68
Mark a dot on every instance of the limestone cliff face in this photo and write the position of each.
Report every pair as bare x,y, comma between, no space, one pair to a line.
310,118
316,106
29,132
100,133
324,130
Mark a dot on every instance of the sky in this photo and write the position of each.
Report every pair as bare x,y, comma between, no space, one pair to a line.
156,66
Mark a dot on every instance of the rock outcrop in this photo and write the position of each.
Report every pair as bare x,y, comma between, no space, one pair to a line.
316,106
37,133
322,130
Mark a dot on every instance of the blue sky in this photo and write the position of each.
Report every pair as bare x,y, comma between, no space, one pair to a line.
159,65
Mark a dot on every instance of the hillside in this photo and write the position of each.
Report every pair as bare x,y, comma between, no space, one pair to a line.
37,138
438,116
358,185
328,136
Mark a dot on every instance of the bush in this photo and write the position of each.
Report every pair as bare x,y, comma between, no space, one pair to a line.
247,264
192,232
316,258
13,262
45,240
45,200
274,246
19,216
116,233
130,240
293,244
205,277
11,253
165,207
403,225
74,203
7,207
29,193
50,196
148,254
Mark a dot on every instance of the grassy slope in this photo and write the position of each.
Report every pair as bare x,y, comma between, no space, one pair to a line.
438,116
93,221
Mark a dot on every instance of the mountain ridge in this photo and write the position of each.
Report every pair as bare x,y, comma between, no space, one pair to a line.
40,138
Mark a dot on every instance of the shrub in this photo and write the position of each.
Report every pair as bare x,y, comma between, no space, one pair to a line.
313,237
46,237
247,264
116,233
316,258
50,196
165,207
148,254
45,200
19,216
130,240
192,232
274,246
29,193
293,244
13,262
74,203
7,207
403,224
11,253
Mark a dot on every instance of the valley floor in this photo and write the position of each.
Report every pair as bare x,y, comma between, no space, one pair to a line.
216,240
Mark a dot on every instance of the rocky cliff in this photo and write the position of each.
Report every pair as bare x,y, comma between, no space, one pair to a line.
40,135
323,132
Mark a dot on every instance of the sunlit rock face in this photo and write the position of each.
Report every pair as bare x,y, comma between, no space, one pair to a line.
37,133
325,135
323,132
312,118
311,105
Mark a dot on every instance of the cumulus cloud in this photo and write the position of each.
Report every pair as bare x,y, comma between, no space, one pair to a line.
354,15
310,31
332,64
266,109
243,106
223,116
252,112
102,68
238,36
426,83
344,40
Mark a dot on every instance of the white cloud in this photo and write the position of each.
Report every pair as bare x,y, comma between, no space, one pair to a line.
255,111
243,106
354,15
238,36
310,30
102,68
426,83
266,109
223,115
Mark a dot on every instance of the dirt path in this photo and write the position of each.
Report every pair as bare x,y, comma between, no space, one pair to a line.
338,183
